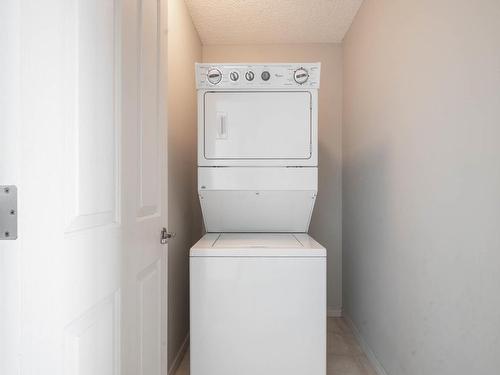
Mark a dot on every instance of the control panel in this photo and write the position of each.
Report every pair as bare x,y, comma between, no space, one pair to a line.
258,76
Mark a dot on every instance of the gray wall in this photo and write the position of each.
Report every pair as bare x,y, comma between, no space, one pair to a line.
421,184
326,220
184,218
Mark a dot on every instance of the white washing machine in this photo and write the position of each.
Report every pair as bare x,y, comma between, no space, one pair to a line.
257,280
258,305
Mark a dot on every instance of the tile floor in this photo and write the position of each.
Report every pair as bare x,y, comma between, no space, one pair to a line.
345,356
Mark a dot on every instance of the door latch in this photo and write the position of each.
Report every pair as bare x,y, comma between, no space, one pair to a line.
165,236
8,212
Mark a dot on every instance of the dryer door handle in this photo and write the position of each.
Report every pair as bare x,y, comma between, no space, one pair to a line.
222,129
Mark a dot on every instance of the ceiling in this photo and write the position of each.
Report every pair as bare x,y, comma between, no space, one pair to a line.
272,21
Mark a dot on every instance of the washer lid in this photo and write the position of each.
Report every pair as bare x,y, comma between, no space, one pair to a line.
257,245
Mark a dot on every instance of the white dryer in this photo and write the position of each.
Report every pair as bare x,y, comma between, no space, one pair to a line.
257,280
257,146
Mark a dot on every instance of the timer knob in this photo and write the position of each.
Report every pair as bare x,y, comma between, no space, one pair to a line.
265,75
301,76
249,75
214,76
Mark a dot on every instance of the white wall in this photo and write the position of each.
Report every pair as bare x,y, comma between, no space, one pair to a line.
184,217
421,184
326,221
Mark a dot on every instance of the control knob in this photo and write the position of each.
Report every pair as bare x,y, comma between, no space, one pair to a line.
249,75
214,76
301,76
234,76
265,75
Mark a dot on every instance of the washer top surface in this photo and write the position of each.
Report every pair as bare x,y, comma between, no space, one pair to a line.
257,245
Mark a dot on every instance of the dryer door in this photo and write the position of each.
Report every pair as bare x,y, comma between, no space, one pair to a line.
257,125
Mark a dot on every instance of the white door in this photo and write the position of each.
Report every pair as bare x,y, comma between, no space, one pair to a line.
144,302
69,144
257,125
9,250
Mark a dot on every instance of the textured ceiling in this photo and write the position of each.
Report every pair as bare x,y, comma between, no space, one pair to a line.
272,21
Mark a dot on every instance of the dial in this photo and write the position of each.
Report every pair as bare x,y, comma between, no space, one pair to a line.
249,75
265,75
301,76
234,76
214,76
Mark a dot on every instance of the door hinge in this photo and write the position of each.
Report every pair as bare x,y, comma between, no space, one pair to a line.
8,212
165,236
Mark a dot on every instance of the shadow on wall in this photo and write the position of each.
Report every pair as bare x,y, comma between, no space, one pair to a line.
326,223
366,179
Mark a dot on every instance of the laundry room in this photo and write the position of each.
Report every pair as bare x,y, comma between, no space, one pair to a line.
215,40
242,187
393,160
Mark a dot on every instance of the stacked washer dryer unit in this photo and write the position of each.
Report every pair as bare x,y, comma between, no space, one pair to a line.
257,280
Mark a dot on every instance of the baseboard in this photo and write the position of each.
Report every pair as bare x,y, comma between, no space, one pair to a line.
179,356
379,369
334,313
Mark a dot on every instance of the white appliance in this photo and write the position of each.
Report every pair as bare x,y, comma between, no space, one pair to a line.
257,305
257,146
257,280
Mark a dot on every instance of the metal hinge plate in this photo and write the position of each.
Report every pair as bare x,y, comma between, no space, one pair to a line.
8,212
